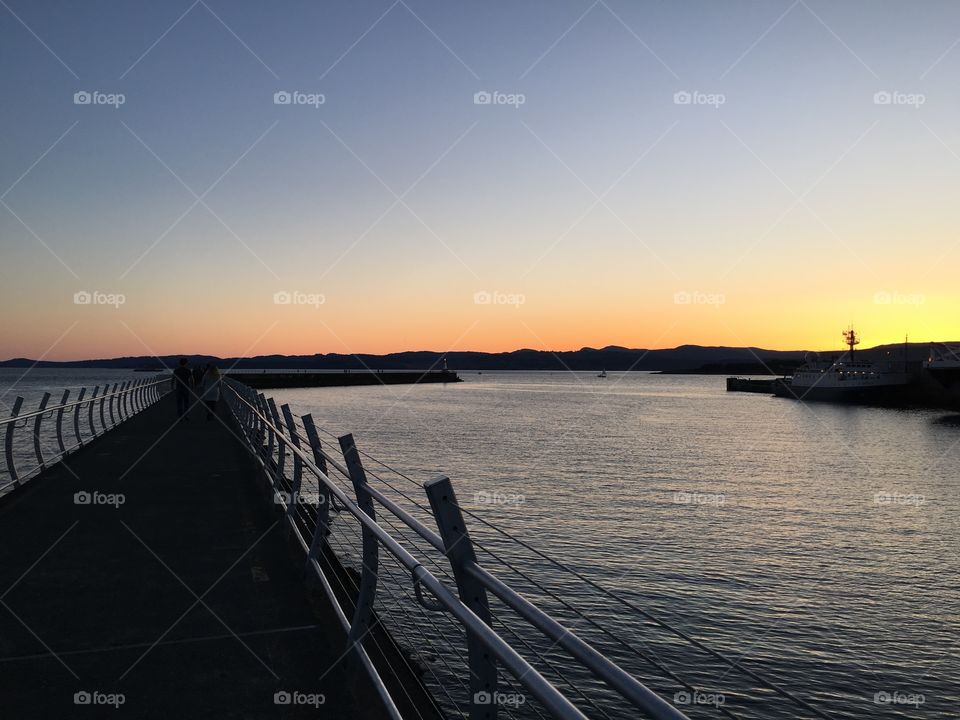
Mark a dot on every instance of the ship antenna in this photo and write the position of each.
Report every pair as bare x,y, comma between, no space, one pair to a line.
852,340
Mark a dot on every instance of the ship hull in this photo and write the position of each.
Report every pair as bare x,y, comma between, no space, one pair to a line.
894,395
949,379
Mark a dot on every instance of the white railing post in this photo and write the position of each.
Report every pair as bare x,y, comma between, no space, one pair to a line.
281,446
459,551
125,407
297,467
110,394
322,530
370,564
103,401
63,401
37,422
265,413
8,445
93,403
76,416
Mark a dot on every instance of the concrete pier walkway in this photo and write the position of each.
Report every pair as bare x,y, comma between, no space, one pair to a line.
172,590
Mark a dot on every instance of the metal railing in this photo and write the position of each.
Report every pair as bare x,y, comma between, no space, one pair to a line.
455,589
76,423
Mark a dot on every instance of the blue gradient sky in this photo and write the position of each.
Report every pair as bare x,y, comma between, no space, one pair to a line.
798,206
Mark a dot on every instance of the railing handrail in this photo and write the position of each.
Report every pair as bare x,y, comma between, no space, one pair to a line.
600,665
618,679
129,396
49,409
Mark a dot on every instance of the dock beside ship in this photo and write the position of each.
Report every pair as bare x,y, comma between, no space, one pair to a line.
893,379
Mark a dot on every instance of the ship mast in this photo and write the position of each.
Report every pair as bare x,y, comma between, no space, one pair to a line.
851,339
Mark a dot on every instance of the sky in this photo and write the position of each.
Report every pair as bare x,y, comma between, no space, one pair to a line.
240,178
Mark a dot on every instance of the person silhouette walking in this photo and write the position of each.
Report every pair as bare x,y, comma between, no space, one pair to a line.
182,386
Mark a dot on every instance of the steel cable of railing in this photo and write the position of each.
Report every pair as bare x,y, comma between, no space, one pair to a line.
335,537
664,670
732,664
460,638
505,681
383,654
653,618
657,664
554,701
435,651
656,620
263,425
495,618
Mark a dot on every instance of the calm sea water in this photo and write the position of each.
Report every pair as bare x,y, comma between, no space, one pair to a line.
31,384
816,544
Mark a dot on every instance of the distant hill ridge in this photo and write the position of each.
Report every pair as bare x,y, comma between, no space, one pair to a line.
685,358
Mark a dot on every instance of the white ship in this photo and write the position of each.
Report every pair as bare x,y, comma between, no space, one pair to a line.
848,379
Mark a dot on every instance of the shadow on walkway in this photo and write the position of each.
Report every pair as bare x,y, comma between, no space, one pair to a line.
174,586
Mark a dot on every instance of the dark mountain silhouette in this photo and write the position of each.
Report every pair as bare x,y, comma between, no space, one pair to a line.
686,358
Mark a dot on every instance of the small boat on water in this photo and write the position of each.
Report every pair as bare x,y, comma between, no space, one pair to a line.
848,379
